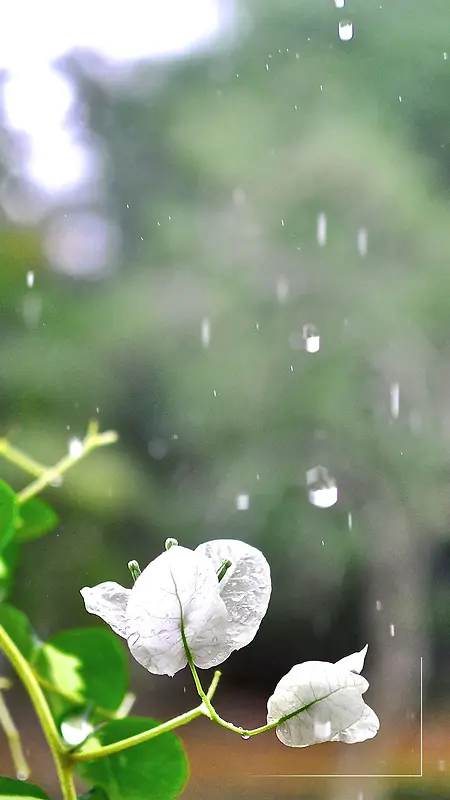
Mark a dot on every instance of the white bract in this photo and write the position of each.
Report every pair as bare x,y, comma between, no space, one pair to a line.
331,696
179,600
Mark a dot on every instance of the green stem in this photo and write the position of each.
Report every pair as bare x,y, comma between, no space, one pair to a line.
145,736
20,459
36,695
139,738
14,741
92,440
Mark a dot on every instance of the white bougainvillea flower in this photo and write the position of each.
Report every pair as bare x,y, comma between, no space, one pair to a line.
331,696
179,599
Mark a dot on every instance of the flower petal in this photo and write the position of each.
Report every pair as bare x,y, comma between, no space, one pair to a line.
366,727
335,708
178,589
109,601
245,589
355,662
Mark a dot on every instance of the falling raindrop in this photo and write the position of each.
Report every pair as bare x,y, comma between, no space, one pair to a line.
214,393
282,290
339,3
242,502
321,229
30,278
311,338
392,629
445,56
395,400
75,729
345,30
75,447
378,605
322,730
361,242
206,332
441,765
350,520
322,488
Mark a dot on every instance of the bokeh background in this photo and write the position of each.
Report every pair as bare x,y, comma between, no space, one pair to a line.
225,233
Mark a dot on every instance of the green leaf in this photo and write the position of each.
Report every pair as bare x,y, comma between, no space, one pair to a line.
86,663
8,513
36,518
94,794
155,770
12,789
8,562
18,628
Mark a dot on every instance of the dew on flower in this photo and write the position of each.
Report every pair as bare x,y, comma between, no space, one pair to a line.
75,447
322,730
322,488
75,729
242,502
321,229
345,30
311,338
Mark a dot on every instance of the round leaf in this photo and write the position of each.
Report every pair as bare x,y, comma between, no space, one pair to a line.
8,562
8,513
18,628
88,663
12,790
36,518
154,770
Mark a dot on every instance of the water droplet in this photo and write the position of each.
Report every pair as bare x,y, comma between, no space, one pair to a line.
322,488
346,30
378,605
245,736
57,481
322,730
311,338
361,242
395,400
392,629
445,56
75,447
214,393
170,542
30,278
75,729
321,229
339,3
282,290
206,332
350,521
21,775
242,502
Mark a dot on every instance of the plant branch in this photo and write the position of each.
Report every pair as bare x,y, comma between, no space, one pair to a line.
91,441
15,745
20,459
36,695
